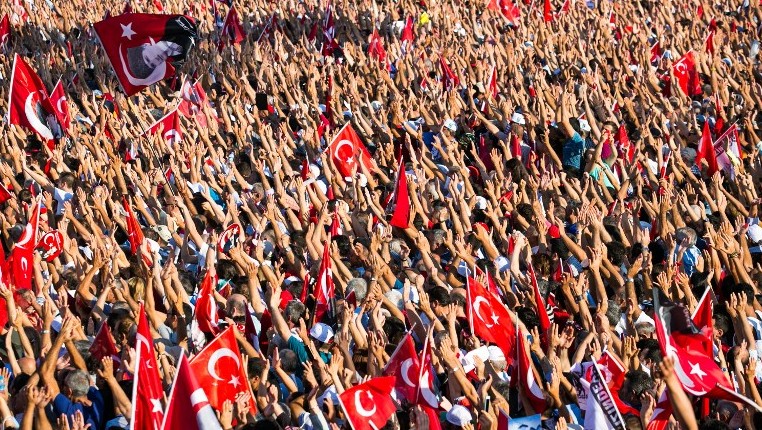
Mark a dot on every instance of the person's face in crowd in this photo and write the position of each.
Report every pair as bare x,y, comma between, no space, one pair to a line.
717,333
517,129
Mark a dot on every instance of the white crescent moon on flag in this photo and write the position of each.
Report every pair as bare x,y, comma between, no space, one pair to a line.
360,409
222,352
477,305
155,76
681,67
684,379
426,391
58,105
345,142
534,387
34,121
405,370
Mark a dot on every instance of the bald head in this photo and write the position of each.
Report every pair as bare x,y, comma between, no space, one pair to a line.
27,365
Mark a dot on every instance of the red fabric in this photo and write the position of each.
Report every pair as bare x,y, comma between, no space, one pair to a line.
526,377
220,371
187,399
5,29
344,148
709,43
401,214
232,30
542,313
449,79
687,76
120,34
492,324
134,231
59,102
547,12
405,367
169,127
5,195
407,32
103,344
662,412
369,404
29,103
22,265
376,47
324,288
655,52
206,306
147,391
706,151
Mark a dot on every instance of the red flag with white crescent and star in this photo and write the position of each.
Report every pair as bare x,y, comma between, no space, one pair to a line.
343,149
686,74
206,306
143,48
369,404
59,102
221,372
489,319
169,126
5,29
527,378
147,390
408,36
187,400
232,30
22,255
405,367
324,287
29,105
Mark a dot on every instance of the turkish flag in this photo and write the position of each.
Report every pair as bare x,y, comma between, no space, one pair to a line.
169,126
143,48
343,149
232,30
401,200
709,42
405,367
194,97
694,367
376,47
22,265
324,288
686,74
220,371
624,146
134,231
613,373
206,306
492,83
5,195
542,311
655,52
449,79
187,399
662,412
408,37
103,345
29,103
147,390
547,12
706,152
526,377
702,318
5,29
369,404
566,6
492,324
424,393
58,101
508,9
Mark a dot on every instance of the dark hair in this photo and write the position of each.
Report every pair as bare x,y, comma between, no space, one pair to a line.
712,424
528,316
226,269
294,310
616,252
640,382
439,295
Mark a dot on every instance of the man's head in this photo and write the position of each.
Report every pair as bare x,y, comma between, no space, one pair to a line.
76,385
439,298
636,382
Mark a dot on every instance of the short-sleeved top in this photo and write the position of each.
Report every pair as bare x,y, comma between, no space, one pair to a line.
295,344
93,414
574,151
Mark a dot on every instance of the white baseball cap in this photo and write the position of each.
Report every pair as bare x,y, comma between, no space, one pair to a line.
518,118
321,332
458,415
451,125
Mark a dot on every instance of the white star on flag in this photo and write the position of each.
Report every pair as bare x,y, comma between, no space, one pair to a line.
234,381
696,370
156,405
127,31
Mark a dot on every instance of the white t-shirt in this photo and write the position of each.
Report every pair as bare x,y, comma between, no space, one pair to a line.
61,197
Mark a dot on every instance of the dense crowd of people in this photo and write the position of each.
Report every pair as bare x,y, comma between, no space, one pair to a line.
548,210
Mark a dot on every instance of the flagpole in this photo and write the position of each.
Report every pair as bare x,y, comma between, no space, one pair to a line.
740,397
420,370
135,382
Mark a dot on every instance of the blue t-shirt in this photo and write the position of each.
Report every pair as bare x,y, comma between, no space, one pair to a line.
93,414
574,151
